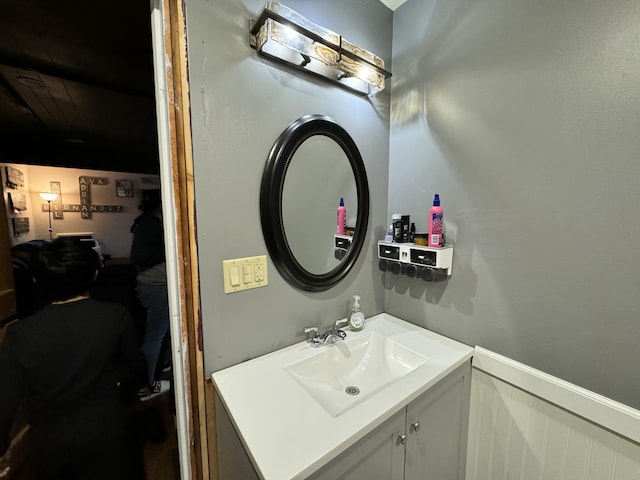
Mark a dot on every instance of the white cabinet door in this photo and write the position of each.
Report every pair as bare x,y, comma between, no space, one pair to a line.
378,456
437,429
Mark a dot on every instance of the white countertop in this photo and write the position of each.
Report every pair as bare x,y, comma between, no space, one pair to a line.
288,435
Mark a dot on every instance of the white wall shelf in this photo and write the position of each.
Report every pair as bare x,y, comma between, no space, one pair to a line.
410,258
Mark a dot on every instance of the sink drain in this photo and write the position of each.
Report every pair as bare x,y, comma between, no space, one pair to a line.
352,390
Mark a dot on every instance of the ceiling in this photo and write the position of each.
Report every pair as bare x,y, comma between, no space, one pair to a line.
76,84
393,4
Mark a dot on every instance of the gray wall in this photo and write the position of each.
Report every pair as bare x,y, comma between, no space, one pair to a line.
240,104
525,117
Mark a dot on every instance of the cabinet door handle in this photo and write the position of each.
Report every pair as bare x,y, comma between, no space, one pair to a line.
414,427
402,438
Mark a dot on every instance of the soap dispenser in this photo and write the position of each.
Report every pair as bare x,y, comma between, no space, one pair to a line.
356,317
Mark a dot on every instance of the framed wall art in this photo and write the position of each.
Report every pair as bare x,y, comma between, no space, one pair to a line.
18,201
124,188
15,178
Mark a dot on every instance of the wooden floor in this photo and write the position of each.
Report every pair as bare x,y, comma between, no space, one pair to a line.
161,458
153,427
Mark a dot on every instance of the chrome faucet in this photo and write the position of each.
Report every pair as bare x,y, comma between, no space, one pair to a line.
329,337
333,335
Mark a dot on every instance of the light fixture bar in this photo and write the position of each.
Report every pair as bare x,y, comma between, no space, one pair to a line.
265,14
283,34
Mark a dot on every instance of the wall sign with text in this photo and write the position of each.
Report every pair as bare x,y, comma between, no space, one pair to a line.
85,207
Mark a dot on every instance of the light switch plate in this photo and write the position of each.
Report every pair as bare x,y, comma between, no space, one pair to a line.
244,273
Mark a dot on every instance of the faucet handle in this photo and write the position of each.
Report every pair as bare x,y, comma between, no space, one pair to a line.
343,322
314,330
313,339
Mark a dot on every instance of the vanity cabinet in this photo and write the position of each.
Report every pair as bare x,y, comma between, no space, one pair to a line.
377,456
436,429
275,423
426,440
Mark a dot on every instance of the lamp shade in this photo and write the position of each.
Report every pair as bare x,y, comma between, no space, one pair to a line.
48,196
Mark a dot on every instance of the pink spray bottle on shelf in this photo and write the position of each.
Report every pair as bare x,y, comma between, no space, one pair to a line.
435,223
342,218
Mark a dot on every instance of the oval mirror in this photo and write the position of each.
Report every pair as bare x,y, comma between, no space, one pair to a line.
312,165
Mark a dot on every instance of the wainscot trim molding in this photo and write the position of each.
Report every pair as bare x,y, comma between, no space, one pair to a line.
596,408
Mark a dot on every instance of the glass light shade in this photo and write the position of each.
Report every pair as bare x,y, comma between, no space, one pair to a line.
47,196
287,36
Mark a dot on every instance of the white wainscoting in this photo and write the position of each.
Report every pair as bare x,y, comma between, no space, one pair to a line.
527,425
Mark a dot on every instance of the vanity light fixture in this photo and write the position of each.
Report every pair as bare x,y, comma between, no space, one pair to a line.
49,197
283,34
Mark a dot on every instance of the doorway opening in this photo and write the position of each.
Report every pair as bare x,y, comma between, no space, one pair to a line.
78,91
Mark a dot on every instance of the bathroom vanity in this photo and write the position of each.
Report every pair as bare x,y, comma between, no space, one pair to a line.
388,402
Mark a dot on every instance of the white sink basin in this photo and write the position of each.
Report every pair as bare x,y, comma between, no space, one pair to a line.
342,375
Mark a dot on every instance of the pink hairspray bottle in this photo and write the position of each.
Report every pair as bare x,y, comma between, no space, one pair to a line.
342,218
435,223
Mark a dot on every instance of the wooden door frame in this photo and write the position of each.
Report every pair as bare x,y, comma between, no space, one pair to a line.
195,412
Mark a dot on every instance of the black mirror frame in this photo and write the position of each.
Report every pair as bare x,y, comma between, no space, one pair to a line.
271,189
